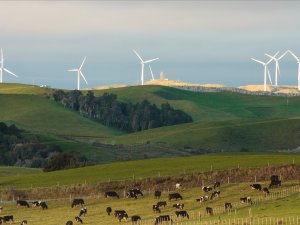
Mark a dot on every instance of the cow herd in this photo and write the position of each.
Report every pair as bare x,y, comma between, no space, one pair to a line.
210,193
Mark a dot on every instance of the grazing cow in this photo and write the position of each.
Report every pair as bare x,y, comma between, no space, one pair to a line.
5,219
77,201
255,187
209,211
160,204
207,189
182,214
156,208
202,199
24,222
157,194
175,196
163,218
108,210
178,186
111,194
246,200
123,216
78,219
228,206
215,194
217,184
69,223
266,190
119,212
83,211
133,193
135,219
43,205
22,203
178,206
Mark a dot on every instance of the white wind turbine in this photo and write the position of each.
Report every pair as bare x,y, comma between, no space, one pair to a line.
143,63
79,73
265,71
151,72
277,68
298,61
4,69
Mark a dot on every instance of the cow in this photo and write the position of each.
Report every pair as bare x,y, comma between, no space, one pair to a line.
43,205
163,218
274,178
122,216
182,214
217,184
83,212
202,199
207,189
266,190
69,223
275,183
246,200
108,210
1,209
178,206
35,204
119,212
215,194
133,193
156,208
22,203
178,186
175,196
135,219
228,206
209,211
255,187
157,194
78,219
5,219
77,201
111,194
24,222
160,204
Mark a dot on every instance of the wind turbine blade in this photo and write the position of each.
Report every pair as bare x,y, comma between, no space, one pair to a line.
73,70
269,76
10,72
137,54
280,57
1,60
294,55
83,77
151,72
272,57
258,61
151,60
82,63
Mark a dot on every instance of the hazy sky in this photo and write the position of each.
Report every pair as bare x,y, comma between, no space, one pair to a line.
196,41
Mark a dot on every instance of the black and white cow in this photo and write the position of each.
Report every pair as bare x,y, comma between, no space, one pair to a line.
266,190
255,187
41,204
215,194
203,199
217,184
162,218
83,212
157,194
246,200
178,206
182,214
175,196
119,212
122,216
207,189
133,193
22,203
108,210
78,219
135,219
77,201
111,194
209,211
24,222
69,223
155,208
228,206
161,204
5,219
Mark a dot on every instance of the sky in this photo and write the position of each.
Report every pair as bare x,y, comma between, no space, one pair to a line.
196,41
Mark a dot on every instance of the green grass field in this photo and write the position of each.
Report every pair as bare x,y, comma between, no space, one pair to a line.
60,211
11,171
149,168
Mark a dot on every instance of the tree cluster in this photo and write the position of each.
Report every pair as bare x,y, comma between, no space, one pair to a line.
107,110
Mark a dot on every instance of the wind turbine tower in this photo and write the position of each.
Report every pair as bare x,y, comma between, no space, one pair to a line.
277,68
298,61
79,73
143,64
4,69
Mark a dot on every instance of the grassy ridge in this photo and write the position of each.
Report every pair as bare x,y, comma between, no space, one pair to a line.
149,168
11,171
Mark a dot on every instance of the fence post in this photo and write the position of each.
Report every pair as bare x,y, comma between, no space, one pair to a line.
228,180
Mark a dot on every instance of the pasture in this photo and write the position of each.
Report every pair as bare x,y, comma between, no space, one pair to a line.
60,210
